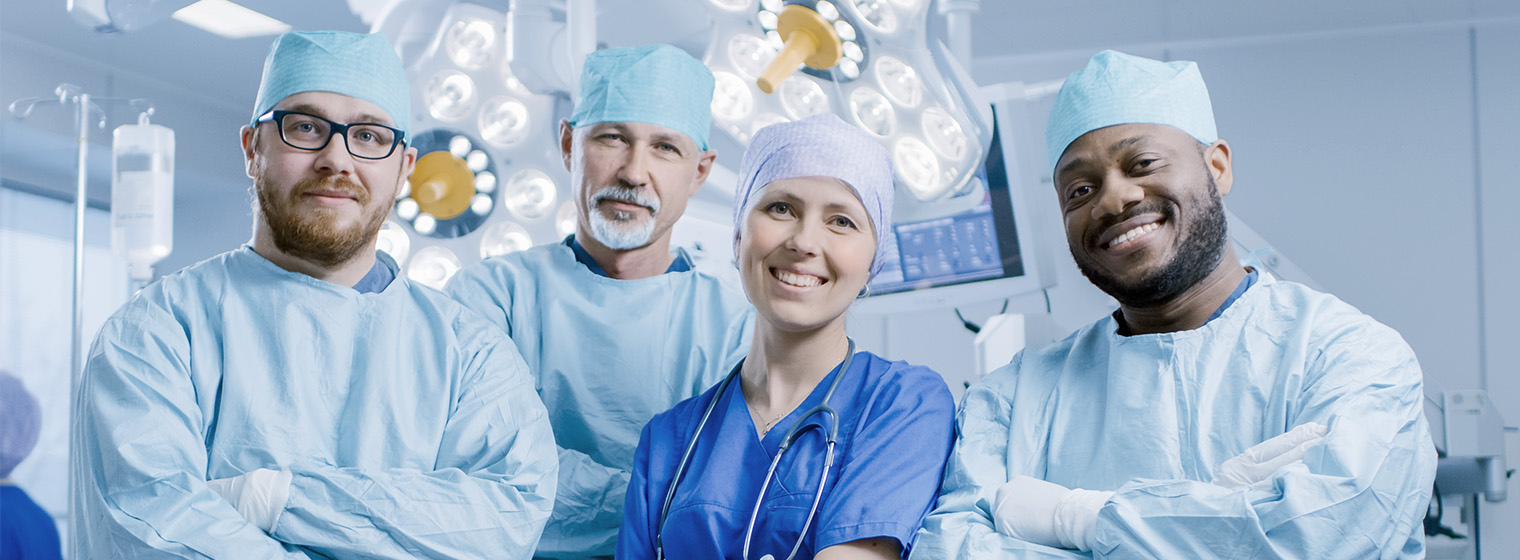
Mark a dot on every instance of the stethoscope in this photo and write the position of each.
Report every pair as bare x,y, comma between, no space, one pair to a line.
830,436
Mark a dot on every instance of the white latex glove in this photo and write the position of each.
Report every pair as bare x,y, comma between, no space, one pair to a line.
1047,513
1255,467
259,496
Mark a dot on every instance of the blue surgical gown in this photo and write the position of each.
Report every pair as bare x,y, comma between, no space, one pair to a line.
409,424
1153,416
607,356
896,426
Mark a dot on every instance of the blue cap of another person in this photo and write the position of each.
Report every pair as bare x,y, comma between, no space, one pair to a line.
1117,88
358,65
820,146
654,84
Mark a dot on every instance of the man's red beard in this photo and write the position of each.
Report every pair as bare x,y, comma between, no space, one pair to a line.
312,234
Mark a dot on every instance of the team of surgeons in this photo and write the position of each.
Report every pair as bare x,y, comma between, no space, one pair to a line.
599,397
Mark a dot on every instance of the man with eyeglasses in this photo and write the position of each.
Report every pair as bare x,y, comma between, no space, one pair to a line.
297,397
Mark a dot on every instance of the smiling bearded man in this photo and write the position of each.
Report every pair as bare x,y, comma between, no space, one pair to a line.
297,397
1219,413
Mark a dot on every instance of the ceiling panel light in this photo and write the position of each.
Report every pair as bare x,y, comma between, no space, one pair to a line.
229,20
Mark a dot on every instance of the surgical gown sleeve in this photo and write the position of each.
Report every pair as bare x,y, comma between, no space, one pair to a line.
490,493
636,539
961,524
138,457
1360,494
586,514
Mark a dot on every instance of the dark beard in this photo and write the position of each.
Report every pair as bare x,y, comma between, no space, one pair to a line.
1199,253
314,238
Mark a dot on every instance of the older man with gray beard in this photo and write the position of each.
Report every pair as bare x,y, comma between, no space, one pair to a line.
616,326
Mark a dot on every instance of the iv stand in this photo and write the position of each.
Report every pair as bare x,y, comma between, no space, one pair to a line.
66,94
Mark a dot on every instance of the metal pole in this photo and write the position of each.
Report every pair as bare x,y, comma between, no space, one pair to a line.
76,360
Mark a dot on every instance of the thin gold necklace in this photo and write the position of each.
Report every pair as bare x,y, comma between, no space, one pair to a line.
766,428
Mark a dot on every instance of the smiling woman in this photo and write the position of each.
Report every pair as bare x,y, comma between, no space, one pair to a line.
807,438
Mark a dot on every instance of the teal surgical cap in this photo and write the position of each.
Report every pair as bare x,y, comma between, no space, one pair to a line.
655,84
353,64
820,146
1116,88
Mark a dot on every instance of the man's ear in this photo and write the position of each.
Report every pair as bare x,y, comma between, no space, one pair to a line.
1217,158
704,167
249,142
566,140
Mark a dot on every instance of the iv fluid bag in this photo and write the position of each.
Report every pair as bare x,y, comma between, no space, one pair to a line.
142,195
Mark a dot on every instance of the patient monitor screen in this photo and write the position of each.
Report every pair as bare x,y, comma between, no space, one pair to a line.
979,243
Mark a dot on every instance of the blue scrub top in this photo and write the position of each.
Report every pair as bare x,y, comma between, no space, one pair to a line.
895,431
27,532
682,262
375,281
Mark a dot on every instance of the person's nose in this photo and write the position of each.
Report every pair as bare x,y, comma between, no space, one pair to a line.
1118,193
806,238
634,172
334,158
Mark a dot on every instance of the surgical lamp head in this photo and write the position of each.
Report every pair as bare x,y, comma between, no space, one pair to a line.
820,146
655,84
1117,88
358,65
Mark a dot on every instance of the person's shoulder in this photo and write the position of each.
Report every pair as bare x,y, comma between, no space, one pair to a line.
1047,360
1297,306
183,291
681,419
897,377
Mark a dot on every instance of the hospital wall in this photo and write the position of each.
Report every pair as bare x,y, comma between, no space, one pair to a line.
1380,161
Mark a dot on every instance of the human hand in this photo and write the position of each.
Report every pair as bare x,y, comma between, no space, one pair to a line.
259,496
1047,513
1254,467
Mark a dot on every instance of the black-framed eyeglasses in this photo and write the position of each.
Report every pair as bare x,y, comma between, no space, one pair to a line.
305,131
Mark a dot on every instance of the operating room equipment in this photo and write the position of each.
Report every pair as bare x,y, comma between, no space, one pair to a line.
86,107
1469,436
491,82
800,426
142,195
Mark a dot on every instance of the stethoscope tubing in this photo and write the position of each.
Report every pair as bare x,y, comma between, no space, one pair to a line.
831,436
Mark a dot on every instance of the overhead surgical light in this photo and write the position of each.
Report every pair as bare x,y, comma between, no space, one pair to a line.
529,194
731,97
564,219
945,134
485,142
877,13
450,95
502,238
394,242
471,42
803,97
872,111
504,121
899,81
433,266
750,54
880,72
444,195
916,166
